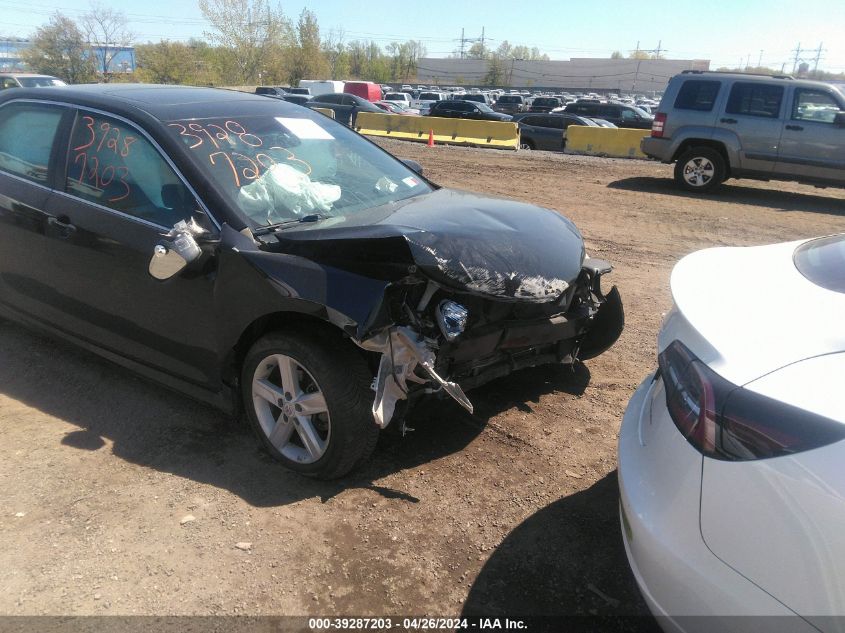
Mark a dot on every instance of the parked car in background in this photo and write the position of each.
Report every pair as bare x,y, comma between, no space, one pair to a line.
466,110
546,131
400,97
28,80
601,122
545,104
364,89
510,104
477,97
297,99
275,91
619,114
715,126
394,107
730,455
345,106
263,258
322,86
299,91
426,99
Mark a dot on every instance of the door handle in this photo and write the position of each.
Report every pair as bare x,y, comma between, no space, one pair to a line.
727,120
62,226
797,128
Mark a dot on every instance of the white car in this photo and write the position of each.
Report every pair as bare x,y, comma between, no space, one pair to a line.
731,456
399,97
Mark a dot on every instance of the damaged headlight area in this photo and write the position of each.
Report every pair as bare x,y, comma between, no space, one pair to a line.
444,341
452,319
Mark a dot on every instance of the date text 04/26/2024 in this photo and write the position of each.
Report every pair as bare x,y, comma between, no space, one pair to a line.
416,624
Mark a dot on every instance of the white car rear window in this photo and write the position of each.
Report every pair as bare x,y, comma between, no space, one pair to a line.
822,261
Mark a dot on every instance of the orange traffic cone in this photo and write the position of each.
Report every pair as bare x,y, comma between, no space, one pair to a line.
431,137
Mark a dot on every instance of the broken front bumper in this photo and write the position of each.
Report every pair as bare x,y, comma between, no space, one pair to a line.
411,362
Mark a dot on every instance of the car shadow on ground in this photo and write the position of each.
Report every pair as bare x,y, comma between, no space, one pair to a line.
566,563
161,429
739,194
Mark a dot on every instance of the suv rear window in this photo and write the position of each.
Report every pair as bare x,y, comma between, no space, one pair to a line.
510,99
755,99
822,261
697,94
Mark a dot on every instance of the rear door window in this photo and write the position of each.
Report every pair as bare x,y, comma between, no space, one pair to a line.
697,94
111,164
27,132
755,99
609,112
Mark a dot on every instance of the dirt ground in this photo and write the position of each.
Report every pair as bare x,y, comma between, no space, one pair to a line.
512,510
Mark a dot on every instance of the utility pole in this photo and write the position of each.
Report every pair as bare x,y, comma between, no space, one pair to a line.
463,41
657,52
482,41
760,59
795,59
818,57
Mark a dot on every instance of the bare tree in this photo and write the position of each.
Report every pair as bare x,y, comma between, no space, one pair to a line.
58,48
250,29
334,50
106,32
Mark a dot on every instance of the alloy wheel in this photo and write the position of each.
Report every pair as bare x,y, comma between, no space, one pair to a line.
699,171
291,409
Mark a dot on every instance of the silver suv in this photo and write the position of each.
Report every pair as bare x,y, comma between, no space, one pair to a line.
715,126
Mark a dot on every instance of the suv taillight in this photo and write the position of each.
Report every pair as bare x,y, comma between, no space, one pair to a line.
724,421
658,124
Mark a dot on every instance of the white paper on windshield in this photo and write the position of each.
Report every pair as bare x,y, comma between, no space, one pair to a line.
410,181
305,129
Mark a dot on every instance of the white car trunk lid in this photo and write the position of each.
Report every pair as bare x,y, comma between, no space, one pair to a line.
748,311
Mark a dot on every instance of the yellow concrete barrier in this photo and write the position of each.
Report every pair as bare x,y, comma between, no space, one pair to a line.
327,111
605,141
499,134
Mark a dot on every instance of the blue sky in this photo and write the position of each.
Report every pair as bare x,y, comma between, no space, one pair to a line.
725,31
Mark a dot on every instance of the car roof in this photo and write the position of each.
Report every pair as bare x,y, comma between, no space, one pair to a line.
159,101
26,75
715,75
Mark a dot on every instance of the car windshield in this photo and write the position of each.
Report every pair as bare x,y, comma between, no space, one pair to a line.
822,261
641,112
484,107
510,99
277,169
40,82
545,101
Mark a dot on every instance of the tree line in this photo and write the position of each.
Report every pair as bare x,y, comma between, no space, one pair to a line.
250,42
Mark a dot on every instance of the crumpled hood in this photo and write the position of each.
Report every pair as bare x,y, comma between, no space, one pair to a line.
489,246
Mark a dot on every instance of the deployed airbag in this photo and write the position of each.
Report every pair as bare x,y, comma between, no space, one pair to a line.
283,193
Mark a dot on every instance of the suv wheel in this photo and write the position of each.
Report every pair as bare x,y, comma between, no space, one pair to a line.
700,169
309,403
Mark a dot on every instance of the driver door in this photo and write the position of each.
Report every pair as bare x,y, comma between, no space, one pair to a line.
120,195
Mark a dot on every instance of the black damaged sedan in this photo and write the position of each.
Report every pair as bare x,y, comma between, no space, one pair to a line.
259,256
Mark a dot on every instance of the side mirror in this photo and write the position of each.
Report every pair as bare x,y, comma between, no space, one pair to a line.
839,119
166,262
413,165
176,250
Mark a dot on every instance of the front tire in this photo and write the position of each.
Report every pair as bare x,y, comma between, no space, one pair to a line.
309,403
700,169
